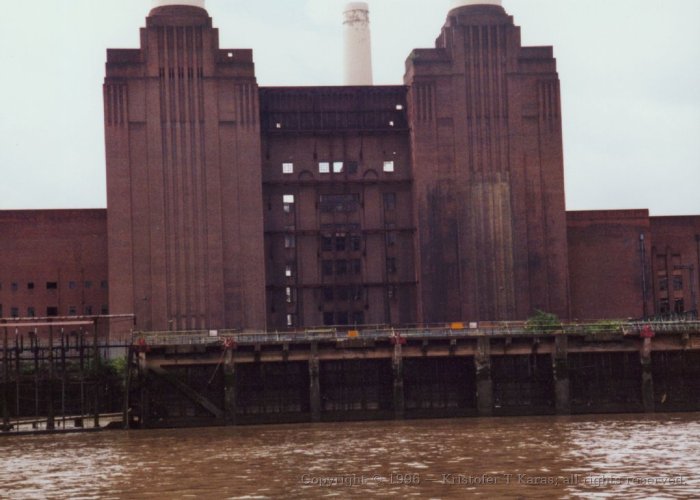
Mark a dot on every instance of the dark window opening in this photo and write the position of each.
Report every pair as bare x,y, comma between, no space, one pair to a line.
52,311
352,167
31,312
104,285
341,267
358,318
51,285
663,284
329,203
327,294
327,268
72,311
356,266
391,265
340,242
14,287
389,201
289,241
328,319
88,284
72,285
326,243
679,306
342,318
88,311
343,293
105,309
14,312
30,286
664,306
678,283
355,243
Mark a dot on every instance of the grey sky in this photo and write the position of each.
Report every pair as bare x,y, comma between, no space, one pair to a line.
630,72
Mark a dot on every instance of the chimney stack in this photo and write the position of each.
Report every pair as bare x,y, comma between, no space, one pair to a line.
358,45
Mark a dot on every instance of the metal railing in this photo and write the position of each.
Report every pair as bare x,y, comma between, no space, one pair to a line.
505,329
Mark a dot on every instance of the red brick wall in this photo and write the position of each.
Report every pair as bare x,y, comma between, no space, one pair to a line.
67,248
605,264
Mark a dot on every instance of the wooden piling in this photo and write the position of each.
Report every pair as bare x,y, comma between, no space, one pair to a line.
314,384
229,387
484,384
647,378
397,368
560,362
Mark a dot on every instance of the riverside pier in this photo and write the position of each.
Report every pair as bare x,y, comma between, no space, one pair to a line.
457,370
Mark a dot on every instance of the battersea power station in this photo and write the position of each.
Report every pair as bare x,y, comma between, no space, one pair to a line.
240,207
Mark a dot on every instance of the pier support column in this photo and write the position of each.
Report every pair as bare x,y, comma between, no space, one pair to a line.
484,384
314,384
560,363
397,368
5,384
50,419
143,387
647,379
229,388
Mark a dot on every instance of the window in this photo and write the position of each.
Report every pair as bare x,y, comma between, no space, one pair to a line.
14,312
389,201
388,166
343,293
324,167
329,203
352,167
391,292
289,294
72,285
289,241
342,318
341,267
679,306
328,319
88,284
399,107
72,311
664,306
390,235
663,284
327,268
291,319
327,243
678,283
288,200
289,270
52,311
30,285
104,284
358,318
356,266
288,168
105,309
327,294
355,242
337,167
31,312
340,242
51,285
391,265
14,287
88,311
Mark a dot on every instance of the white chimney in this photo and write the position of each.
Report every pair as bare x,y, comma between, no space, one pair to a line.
192,3
358,44
463,3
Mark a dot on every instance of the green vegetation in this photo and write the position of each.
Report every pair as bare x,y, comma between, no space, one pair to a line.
543,322
604,327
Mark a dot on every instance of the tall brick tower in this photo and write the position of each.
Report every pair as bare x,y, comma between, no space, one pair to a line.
183,177
488,171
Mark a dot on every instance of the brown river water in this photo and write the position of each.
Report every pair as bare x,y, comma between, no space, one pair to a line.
628,456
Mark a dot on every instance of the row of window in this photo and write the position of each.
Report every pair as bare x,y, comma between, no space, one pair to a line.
665,306
53,285
677,283
338,203
53,311
338,167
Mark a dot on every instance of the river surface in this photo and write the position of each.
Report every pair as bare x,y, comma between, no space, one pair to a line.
628,456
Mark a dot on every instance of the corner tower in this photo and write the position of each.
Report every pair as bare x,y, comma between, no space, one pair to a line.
488,171
184,187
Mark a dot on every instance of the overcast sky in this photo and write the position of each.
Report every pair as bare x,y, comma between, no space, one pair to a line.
630,73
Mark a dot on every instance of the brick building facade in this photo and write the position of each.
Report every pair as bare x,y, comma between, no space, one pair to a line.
235,206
